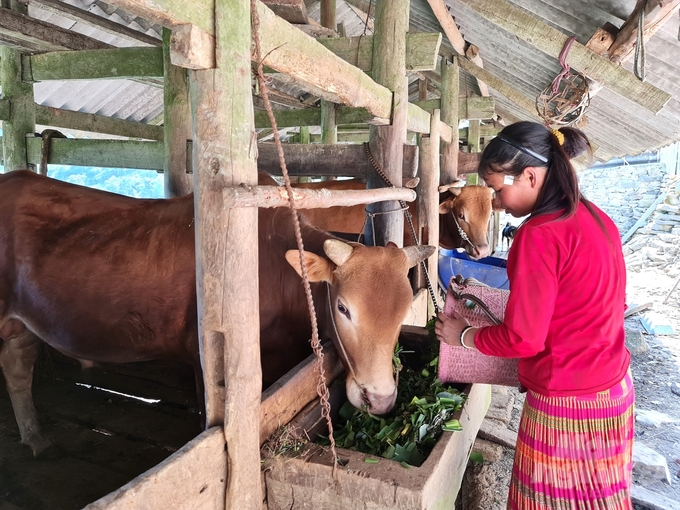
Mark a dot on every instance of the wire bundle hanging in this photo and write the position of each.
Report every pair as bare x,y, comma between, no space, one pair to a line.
564,102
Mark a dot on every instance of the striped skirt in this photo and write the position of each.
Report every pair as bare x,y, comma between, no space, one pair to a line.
575,453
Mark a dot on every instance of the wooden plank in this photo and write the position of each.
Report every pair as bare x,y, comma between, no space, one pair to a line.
192,48
283,400
29,34
472,53
92,20
387,142
468,163
656,14
194,477
473,107
55,117
551,41
93,64
422,50
473,136
293,11
450,114
177,127
485,131
227,281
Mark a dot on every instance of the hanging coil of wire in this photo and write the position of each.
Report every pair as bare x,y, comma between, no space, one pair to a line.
564,102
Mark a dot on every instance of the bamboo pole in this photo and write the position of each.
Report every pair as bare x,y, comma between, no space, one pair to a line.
176,125
226,251
386,142
21,121
449,112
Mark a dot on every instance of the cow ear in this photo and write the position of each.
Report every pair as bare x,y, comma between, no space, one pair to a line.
446,206
318,268
416,254
337,251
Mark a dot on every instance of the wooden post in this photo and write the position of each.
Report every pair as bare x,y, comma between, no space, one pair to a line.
329,128
176,125
428,200
386,142
21,121
473,139
226,250
449,113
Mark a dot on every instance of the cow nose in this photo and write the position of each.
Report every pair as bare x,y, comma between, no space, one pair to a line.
482,250
381,404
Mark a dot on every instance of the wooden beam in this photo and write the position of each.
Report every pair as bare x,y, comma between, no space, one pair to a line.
551,41
286,50
473,107
277,196
422,50
657,13
55,117
5,106
472,53
93,64
199,468
293,11
527,104
468,163
92,20
28,34
192,48
104,153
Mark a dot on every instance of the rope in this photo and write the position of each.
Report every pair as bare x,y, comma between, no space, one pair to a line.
563,62
409,219
321,388
639,62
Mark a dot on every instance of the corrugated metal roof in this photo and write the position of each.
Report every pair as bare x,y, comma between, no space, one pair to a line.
617,126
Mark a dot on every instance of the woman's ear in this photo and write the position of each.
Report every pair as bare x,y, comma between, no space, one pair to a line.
531,174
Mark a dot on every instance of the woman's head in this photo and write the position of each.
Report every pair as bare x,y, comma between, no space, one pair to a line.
529,167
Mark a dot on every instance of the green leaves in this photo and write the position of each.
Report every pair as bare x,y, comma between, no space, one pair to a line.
407,435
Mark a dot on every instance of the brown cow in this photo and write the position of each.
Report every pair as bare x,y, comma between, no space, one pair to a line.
109,278
467,209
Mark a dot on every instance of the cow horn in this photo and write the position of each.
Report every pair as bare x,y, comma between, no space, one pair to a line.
337,251
416,254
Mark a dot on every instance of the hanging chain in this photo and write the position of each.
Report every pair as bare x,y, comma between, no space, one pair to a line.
409,219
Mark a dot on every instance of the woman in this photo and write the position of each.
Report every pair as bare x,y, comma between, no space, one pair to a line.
564,320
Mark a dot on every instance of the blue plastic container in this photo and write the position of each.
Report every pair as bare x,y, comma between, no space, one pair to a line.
488,270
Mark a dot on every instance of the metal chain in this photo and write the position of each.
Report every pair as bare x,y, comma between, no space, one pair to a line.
409,219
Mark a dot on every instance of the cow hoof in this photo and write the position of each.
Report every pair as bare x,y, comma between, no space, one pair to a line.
39,445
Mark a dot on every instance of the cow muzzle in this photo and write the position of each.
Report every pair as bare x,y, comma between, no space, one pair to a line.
371,400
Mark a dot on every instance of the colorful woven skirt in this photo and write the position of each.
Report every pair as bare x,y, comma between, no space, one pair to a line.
575,453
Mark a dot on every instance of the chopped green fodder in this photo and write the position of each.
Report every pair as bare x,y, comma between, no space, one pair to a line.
422,412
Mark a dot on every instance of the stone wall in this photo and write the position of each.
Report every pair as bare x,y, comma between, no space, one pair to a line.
626,193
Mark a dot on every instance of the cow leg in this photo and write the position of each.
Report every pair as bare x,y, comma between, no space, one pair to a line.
17,357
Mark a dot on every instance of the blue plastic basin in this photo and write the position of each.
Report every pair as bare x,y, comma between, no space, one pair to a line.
488,270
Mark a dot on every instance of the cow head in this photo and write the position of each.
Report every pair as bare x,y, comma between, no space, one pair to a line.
469,208
369,295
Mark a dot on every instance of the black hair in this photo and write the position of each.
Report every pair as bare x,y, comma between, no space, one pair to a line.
526,144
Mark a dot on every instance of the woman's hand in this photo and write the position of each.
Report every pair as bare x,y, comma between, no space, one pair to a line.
448,329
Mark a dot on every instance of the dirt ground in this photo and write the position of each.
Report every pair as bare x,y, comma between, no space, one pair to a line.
656,372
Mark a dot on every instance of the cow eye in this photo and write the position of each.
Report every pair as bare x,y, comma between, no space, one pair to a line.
461,216
343,309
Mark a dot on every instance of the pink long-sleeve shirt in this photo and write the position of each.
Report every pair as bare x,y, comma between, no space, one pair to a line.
564,318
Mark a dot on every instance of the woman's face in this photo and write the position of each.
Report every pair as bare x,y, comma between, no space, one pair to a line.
517,195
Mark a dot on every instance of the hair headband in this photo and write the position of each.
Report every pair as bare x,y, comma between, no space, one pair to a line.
522,148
